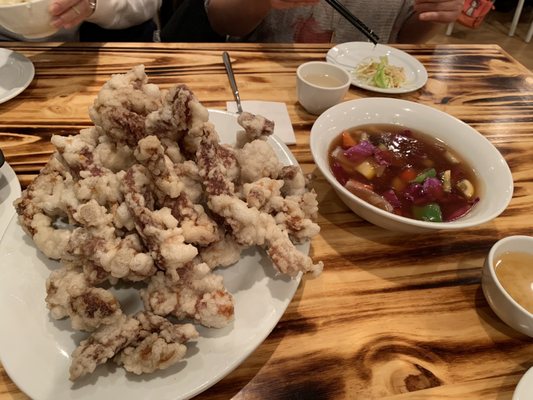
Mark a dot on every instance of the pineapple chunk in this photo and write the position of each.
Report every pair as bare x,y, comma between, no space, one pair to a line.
398,184
447,181
367,169
466,188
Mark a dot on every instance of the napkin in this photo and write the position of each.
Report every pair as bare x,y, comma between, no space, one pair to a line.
272,110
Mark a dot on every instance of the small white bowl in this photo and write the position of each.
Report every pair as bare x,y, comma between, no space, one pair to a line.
316,97
525,386
30,19
495,182
505,307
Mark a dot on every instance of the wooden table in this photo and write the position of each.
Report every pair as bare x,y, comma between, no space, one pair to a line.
392,316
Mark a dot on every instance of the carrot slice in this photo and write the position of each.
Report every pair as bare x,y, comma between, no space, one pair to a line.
347,140
408,174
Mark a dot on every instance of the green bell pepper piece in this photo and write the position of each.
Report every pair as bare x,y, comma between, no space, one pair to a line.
380,79
428,173
430,212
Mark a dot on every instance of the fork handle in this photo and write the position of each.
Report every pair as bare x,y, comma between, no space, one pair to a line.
231,77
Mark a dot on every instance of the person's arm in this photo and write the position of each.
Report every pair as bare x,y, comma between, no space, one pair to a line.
119,14
241,17
416,31
109,14
236,17
425,22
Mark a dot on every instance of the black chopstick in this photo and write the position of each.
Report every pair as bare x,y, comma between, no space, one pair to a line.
369,33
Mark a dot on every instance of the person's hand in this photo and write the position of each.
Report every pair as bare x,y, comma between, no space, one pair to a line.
284,4
444,11
69,13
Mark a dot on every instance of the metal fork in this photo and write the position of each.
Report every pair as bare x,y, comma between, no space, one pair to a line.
231,77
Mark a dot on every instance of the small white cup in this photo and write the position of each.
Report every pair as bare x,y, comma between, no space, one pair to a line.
320,85
501,302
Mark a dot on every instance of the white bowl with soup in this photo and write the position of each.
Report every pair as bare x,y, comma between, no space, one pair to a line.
29,18
455,160
507,282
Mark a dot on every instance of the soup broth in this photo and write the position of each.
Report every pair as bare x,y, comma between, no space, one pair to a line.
515,273
323,80
404,172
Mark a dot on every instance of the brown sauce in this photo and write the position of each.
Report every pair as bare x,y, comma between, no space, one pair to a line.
396,156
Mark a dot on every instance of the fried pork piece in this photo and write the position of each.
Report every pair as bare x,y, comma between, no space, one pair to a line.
222,253
92,179
142,343
198,228
103,345
293,214
253,227
214,164
96,242
255,127
258,160
49,197
129,108
122,105
69,295
294,181
158,345
158,229
180,113
113,156
198,294
151,154
189,174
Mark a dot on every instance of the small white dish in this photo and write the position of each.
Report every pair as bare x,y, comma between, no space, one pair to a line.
320,85
35,350
493,175
524,389
30,18
16,73
505,307
9,191
349,55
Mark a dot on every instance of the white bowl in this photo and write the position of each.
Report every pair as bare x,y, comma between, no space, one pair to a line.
505,307
30,19
494,178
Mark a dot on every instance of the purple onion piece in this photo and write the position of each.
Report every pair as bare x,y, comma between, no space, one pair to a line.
360,151
382,157
339,173
414,192
390,196
432,189
459,213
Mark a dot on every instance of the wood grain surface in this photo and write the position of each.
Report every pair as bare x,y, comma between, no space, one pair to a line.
392,316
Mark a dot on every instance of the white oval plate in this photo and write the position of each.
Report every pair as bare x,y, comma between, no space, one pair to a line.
16,73
35,350
9,191
524,389
349,55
